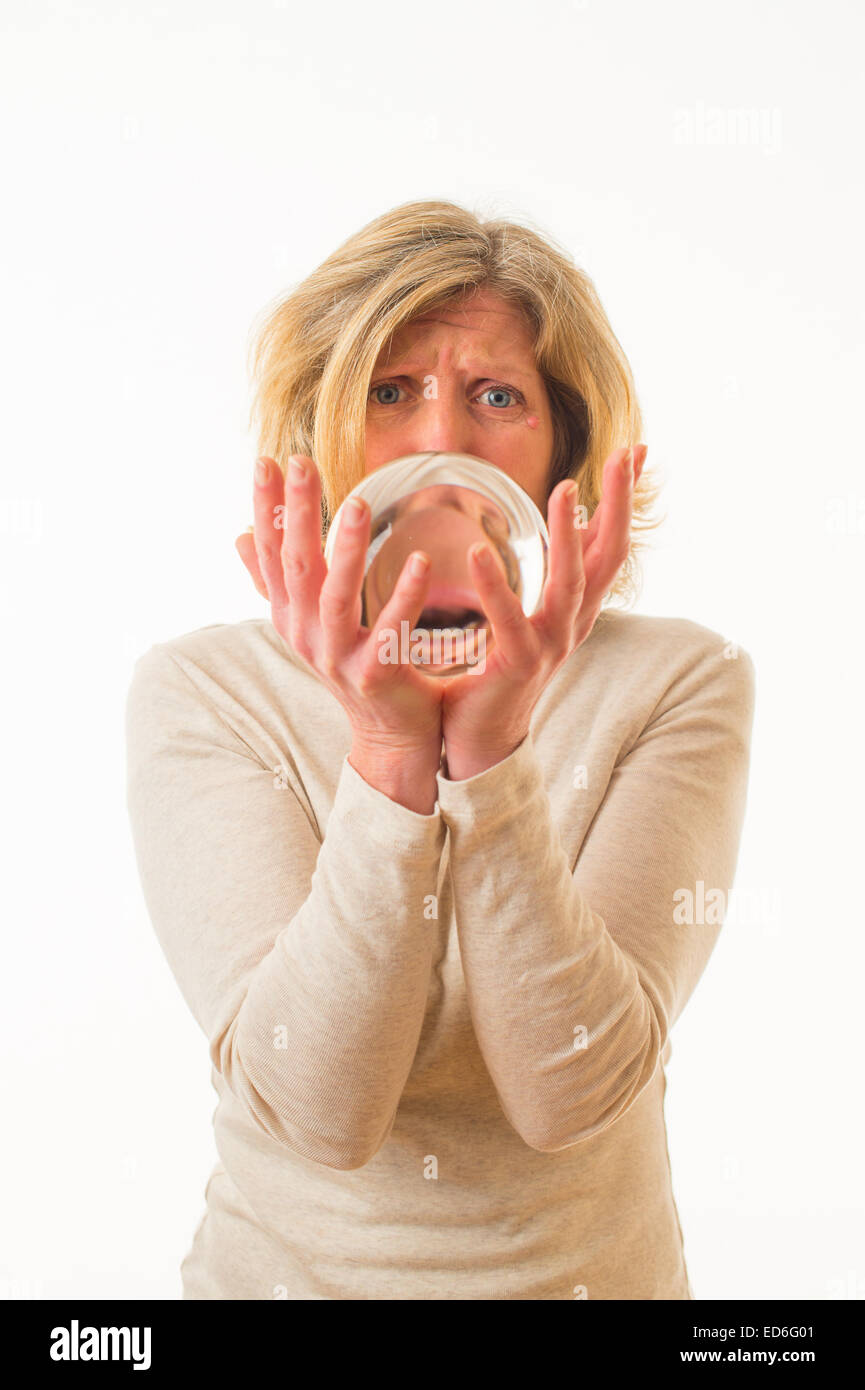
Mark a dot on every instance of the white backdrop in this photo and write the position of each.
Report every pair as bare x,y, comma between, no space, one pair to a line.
171,168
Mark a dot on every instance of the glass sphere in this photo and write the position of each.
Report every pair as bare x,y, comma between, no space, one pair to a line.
442,504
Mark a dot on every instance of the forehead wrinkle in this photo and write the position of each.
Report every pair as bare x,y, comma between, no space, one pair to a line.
432,317
409,361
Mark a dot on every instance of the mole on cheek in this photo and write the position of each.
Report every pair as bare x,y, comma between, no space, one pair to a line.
532,421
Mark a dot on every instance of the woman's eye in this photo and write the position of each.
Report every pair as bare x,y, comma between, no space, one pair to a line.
501,397
381,396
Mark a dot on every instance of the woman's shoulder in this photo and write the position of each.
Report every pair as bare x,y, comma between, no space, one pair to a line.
251,642
658,633
649,651
239,662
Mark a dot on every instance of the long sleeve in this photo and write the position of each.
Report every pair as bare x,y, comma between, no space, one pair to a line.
304,959
576,974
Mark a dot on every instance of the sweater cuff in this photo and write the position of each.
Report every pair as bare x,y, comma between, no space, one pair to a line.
374,819
498,794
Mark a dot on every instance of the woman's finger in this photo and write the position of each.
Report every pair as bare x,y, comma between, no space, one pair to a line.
590,530
609,551
340,599
405,603
303,565
267,536
245,547
566,580
512,632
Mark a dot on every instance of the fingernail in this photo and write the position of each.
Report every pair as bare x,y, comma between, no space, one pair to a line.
572,494
356,508
482,554
629,464
296,471
419,565
262,472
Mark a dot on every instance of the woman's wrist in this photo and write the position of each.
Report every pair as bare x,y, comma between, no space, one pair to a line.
404,774
463,763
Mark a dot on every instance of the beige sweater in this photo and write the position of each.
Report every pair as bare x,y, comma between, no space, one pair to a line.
438,1042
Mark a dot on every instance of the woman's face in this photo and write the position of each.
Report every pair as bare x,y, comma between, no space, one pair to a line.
463,380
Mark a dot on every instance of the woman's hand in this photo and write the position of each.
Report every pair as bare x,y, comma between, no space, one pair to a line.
486,715
394,709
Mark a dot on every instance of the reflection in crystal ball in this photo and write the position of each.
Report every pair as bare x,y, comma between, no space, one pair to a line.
443,504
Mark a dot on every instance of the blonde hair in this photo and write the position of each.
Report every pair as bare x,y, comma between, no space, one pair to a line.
313,351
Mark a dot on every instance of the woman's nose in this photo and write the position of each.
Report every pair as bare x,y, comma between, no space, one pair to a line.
444,426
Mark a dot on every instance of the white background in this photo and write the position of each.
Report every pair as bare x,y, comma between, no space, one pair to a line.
170,169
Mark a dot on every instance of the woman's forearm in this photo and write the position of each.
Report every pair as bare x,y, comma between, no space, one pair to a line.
304,949
575,975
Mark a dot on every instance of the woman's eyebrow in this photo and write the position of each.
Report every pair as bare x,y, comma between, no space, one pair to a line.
484,369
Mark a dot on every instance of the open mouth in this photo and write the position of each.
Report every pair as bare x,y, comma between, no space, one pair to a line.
447,619
451,606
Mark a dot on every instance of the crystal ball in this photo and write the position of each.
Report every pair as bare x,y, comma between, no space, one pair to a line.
442,504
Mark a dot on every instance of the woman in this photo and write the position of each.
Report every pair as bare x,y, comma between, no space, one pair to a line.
437,932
